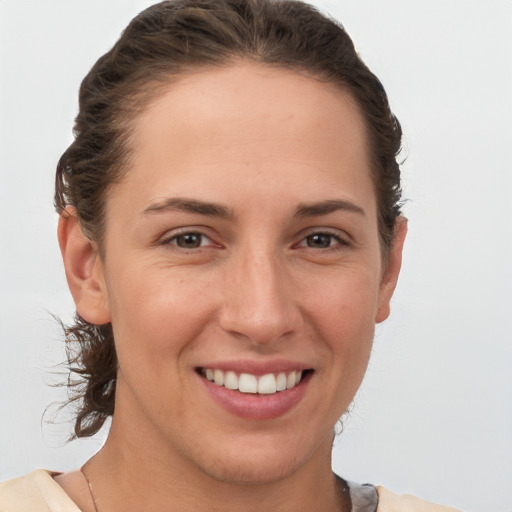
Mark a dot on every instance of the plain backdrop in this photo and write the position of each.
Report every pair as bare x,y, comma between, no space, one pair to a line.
434,415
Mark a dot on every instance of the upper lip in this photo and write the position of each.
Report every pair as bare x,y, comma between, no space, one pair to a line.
256,367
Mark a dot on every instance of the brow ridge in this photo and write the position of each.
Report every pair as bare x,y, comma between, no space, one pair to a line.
190,206
313,209
316,209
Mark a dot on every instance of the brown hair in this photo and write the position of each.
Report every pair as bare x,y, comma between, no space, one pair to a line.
163,42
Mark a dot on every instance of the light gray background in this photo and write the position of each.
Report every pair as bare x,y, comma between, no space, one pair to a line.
434,416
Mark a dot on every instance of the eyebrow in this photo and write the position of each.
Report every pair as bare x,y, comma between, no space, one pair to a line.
190,206
217,210
326,207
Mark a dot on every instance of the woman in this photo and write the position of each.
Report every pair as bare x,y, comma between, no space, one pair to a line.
231,231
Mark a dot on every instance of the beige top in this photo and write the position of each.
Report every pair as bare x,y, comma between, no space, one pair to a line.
35,492
389,502
39,492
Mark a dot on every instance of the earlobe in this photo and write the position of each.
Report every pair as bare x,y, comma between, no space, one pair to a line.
392,270
84,270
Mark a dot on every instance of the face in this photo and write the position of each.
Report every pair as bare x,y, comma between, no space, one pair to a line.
242,251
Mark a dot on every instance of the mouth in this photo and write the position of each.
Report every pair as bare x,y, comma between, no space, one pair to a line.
267,384
254,391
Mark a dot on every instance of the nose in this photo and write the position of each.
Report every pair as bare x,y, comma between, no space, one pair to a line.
259,303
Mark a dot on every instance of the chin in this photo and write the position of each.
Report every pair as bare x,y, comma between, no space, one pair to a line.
246,471
261,459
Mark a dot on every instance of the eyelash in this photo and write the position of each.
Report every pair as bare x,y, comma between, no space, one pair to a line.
184,233
339,242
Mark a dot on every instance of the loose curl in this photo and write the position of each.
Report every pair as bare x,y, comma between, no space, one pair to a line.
160,44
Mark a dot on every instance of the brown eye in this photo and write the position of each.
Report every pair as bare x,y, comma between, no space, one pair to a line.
189,240
320,240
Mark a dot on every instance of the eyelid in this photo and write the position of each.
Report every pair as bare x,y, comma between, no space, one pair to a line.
172,234
343,238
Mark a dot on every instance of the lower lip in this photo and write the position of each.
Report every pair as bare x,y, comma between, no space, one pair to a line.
255,406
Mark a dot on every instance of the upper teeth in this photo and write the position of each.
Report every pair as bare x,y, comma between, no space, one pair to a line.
267,384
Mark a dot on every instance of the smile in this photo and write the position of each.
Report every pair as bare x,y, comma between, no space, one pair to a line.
267,384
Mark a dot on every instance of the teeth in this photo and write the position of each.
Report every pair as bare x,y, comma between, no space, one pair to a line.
218,377
267,384
281,382
248,383
290,380
230,380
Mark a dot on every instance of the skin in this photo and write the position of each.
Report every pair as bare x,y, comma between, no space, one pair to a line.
263,144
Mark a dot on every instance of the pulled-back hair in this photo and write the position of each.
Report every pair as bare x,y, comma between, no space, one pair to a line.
163,42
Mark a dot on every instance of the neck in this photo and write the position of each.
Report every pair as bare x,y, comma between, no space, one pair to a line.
138,474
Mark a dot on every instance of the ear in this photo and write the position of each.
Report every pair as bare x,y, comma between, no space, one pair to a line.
391,270
84,270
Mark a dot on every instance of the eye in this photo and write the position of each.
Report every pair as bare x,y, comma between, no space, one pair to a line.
322,240
189,240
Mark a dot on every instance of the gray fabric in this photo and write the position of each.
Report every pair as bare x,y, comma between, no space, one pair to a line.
364,497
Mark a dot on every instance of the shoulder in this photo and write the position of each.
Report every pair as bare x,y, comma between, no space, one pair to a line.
35,492
390,502
370,498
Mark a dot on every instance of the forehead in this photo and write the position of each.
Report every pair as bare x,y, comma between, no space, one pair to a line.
230,125
255,95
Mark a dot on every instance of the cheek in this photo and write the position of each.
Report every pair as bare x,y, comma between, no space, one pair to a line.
344,317
346,302
154,318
